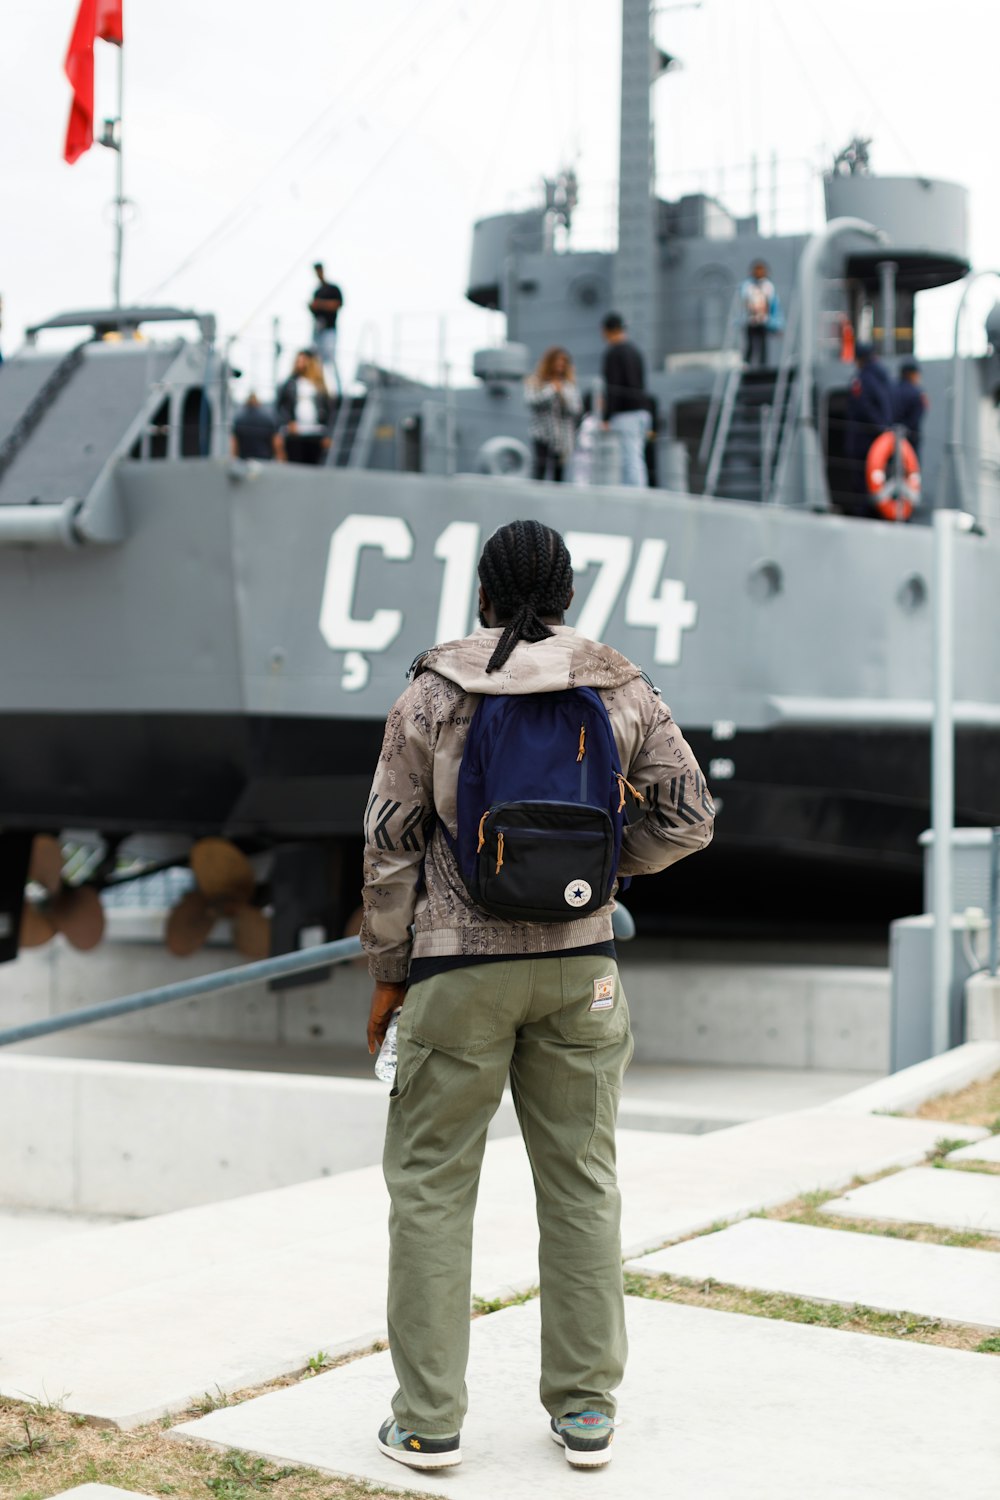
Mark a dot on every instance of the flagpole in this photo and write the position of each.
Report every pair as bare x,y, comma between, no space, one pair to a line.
119,184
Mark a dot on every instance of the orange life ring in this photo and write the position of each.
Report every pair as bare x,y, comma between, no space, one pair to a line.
894,494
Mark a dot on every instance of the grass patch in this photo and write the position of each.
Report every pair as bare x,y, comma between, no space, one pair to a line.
44,1450
483,1306
808,1209
984,1168
788,1309
976,1104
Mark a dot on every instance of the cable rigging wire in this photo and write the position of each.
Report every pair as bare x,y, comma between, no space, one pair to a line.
232,220
296,264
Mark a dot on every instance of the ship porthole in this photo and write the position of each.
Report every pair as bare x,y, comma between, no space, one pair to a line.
765,580
912,594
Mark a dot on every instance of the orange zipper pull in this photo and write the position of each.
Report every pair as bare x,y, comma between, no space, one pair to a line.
622,784
499,852
482,825
583,748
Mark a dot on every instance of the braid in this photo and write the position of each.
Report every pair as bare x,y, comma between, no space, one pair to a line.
527,575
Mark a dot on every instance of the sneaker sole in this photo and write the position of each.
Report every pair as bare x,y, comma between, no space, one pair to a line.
414,1460
579,1458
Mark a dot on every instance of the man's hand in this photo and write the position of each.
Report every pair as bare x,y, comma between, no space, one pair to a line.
385,999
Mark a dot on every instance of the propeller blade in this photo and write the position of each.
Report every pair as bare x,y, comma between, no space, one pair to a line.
78,914
222,871
252,932
37,926
45,867
189,925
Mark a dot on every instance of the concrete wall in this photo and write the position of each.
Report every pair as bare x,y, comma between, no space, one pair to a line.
766,1014
134,1138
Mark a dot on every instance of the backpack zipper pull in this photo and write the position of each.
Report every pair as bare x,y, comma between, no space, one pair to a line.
622,784
482,835
583,748
499,852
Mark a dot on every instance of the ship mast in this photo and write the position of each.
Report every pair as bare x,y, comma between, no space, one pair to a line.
634,281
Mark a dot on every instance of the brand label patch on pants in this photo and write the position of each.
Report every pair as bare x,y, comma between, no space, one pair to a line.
604,993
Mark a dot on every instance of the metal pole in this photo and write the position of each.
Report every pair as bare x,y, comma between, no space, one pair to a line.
887,276
946,523
188,989
119,184
275,353
994,898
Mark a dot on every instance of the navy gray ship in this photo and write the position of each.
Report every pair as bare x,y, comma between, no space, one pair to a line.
198,647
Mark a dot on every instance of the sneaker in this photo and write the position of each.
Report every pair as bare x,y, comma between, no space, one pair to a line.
586,1436
416,1451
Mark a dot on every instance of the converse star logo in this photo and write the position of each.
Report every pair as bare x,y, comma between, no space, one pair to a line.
577,893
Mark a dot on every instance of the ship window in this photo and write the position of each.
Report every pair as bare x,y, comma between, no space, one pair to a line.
196,424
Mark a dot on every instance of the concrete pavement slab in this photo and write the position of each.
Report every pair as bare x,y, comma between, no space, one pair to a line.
923,1195
138,1320
713,1405
983,1150
830,1265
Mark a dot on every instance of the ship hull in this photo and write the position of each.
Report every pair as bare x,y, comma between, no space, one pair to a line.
228,667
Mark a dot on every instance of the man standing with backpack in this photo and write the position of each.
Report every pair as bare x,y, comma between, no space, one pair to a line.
523,771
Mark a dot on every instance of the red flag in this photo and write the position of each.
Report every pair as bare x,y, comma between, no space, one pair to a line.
95,18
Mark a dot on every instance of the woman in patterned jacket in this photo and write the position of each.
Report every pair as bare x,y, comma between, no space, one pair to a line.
554,407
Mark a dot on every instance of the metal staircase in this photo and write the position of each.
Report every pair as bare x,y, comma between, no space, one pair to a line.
748,438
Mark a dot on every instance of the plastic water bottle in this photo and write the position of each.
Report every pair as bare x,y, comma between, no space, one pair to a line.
385,1063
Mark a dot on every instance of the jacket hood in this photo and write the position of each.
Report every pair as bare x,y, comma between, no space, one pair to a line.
563,660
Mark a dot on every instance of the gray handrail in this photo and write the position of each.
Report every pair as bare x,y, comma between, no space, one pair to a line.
778,424
722,430
718,384
339,952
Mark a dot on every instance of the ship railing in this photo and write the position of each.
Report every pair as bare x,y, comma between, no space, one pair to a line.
781,422
342,951
724,369
722,430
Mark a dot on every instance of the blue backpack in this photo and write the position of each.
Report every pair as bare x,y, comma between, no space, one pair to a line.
542,802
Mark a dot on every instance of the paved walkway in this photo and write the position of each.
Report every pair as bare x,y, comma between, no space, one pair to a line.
137,1320
714,1406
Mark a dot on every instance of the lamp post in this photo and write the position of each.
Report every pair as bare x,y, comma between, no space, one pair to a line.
956,460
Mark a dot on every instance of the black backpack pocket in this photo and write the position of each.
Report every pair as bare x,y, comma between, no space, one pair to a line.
544,861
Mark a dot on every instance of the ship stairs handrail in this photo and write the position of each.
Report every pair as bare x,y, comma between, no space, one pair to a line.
339,431
723,368
40,403
722,431
787,438
778,425
364,432
342,951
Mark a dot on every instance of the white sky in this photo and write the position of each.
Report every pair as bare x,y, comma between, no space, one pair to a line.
370,134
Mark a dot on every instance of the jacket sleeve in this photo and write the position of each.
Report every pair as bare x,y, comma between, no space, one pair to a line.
399,819
539,396
678,817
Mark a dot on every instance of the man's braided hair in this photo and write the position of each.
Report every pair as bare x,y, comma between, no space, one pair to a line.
526,574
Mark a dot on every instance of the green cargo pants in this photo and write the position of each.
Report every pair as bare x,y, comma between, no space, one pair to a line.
559,1027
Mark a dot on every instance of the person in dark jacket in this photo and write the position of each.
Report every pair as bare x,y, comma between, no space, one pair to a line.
909,402
869,413
255,432
304,411
626,404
